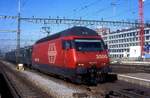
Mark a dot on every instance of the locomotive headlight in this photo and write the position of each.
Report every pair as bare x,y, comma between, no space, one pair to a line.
80,64
103,64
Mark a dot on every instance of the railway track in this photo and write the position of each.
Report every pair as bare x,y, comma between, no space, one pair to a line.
118,89
126,68
121,89
19,86
126,93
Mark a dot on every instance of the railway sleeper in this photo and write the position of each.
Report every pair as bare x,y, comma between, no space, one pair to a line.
125,93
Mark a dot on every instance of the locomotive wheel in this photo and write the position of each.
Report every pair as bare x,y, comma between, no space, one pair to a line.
93,81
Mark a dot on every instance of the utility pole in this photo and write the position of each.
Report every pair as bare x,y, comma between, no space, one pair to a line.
114,7
18,33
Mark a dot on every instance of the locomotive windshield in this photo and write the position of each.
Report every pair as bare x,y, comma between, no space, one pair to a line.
89,45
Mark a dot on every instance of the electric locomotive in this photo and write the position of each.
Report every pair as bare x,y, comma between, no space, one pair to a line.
78,54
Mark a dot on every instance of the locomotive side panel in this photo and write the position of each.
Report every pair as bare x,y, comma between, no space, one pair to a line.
49,57
46,53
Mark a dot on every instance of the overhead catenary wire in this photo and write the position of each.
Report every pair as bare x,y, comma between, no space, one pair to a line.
24,3
86,6
16,39
100,10
129,10
82,8
97,12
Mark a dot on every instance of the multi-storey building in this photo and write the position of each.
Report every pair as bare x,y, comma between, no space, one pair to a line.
121,42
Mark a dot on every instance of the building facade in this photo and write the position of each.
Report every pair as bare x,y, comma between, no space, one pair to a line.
122,42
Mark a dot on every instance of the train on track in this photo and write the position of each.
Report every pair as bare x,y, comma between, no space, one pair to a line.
78,54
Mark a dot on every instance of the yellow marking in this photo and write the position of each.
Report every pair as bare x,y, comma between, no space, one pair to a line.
99,56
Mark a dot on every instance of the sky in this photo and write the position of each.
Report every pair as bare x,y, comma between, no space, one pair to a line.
74,9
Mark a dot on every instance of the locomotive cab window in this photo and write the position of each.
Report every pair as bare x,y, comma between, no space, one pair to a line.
89,45
67,44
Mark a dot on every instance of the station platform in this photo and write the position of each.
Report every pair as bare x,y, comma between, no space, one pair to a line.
130,62
146,63
142,79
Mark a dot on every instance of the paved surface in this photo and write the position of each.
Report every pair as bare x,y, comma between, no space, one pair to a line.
138,78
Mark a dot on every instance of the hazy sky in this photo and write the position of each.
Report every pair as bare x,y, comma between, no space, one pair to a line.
86,9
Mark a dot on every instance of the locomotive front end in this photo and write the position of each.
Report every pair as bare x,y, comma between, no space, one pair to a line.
92,60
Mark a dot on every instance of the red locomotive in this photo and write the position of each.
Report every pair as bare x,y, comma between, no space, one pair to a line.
78,53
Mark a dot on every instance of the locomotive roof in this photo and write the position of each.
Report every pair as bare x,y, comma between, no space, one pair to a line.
77,31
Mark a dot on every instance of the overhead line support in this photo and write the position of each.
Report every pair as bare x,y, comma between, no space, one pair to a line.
80,22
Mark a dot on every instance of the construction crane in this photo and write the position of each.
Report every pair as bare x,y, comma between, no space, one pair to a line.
141,26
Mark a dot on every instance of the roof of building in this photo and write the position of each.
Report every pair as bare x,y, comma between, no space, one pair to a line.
125,30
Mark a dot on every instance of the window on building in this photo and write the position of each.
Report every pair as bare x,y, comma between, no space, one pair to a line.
133,33
116,55
120,50
117,50
147,37
127,50
113,56
116,41
147,31
109,37
136,38
119,36
130,34
137,33
136,44
123,35
127,40
130,44
116,36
